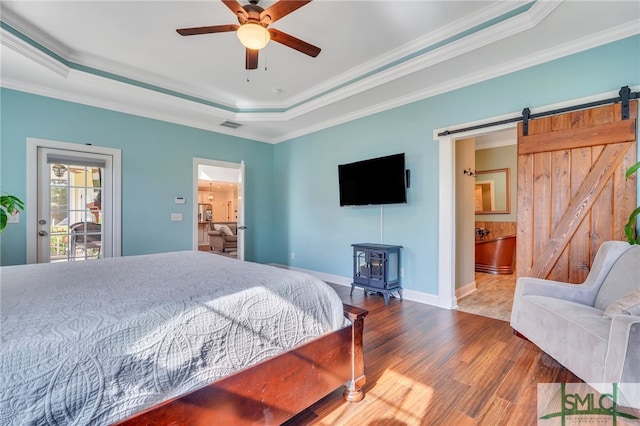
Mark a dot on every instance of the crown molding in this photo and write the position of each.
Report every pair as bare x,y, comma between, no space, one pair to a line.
145,78
482,38
32,53
129,98
121,97
35,34
307,99
165,110
585,43
380,62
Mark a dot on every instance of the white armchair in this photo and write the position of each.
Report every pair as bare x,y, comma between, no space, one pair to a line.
568,321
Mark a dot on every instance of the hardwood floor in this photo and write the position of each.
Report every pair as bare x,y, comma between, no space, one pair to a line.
432,366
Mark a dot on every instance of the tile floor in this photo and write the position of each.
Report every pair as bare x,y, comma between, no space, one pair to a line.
493,296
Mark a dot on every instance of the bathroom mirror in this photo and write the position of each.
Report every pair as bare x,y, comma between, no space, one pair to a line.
492,191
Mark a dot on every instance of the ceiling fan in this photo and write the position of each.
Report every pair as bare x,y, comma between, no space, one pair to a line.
253,32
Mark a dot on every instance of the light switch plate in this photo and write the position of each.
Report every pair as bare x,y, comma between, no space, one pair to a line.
176,217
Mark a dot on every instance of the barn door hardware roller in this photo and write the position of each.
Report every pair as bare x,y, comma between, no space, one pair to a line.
625,95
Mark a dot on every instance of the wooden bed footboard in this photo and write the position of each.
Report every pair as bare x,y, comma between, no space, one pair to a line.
275,389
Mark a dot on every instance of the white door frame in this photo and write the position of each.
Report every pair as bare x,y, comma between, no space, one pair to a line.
32,190
447,206
229,165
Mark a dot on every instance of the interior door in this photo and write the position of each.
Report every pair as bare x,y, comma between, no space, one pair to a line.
240,211
572,192
74,220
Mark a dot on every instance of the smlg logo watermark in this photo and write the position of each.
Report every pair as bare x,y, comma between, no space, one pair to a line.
579,404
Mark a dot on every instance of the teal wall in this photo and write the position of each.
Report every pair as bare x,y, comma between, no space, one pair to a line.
157,163
292,187
309,220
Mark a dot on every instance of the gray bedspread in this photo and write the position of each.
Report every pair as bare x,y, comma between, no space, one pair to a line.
92,342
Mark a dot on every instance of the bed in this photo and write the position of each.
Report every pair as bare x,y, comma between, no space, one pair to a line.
181,338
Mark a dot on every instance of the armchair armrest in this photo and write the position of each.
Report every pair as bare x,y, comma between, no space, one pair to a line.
579,293
622,363
214,232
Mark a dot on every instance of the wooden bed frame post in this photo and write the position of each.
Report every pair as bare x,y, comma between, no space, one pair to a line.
353,388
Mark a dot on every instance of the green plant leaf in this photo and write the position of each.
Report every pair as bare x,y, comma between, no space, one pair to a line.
3,219
629,228
9,204
632,170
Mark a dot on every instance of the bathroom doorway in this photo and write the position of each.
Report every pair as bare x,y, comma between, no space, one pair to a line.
450,174
218,194
481,287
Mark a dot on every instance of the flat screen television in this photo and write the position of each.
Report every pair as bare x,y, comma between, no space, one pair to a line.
380,180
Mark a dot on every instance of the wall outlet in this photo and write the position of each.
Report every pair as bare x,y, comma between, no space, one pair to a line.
176,217
402,272
13,218
293,255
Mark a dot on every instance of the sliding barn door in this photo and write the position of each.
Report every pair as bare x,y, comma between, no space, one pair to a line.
572,193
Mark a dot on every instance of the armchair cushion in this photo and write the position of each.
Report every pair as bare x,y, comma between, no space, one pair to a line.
624,304
567,329
222,228
621,279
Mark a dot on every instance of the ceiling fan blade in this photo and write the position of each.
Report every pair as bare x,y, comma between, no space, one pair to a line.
281,9
236,8
294,43
251,62
207,30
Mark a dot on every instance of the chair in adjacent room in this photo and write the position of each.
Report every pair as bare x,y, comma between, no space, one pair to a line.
84,236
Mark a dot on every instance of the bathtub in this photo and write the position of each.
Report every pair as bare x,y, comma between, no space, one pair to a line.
496,256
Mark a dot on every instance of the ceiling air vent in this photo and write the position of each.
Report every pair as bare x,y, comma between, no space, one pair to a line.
231,124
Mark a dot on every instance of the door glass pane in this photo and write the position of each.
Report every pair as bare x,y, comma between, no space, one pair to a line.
76,212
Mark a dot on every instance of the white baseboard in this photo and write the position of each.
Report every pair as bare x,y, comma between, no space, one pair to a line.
413,295
465,289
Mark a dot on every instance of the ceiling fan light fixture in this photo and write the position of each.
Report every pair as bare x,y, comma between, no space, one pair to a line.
253,36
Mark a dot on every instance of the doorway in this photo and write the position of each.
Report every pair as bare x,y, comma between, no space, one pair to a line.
448,234
73,199
485,239
218,194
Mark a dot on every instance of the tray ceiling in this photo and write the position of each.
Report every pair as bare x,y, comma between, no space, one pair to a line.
376,55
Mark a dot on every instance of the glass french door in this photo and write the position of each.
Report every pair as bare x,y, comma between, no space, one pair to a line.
73,219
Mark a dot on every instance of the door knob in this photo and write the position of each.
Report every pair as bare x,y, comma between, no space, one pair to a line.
43,233
242,227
